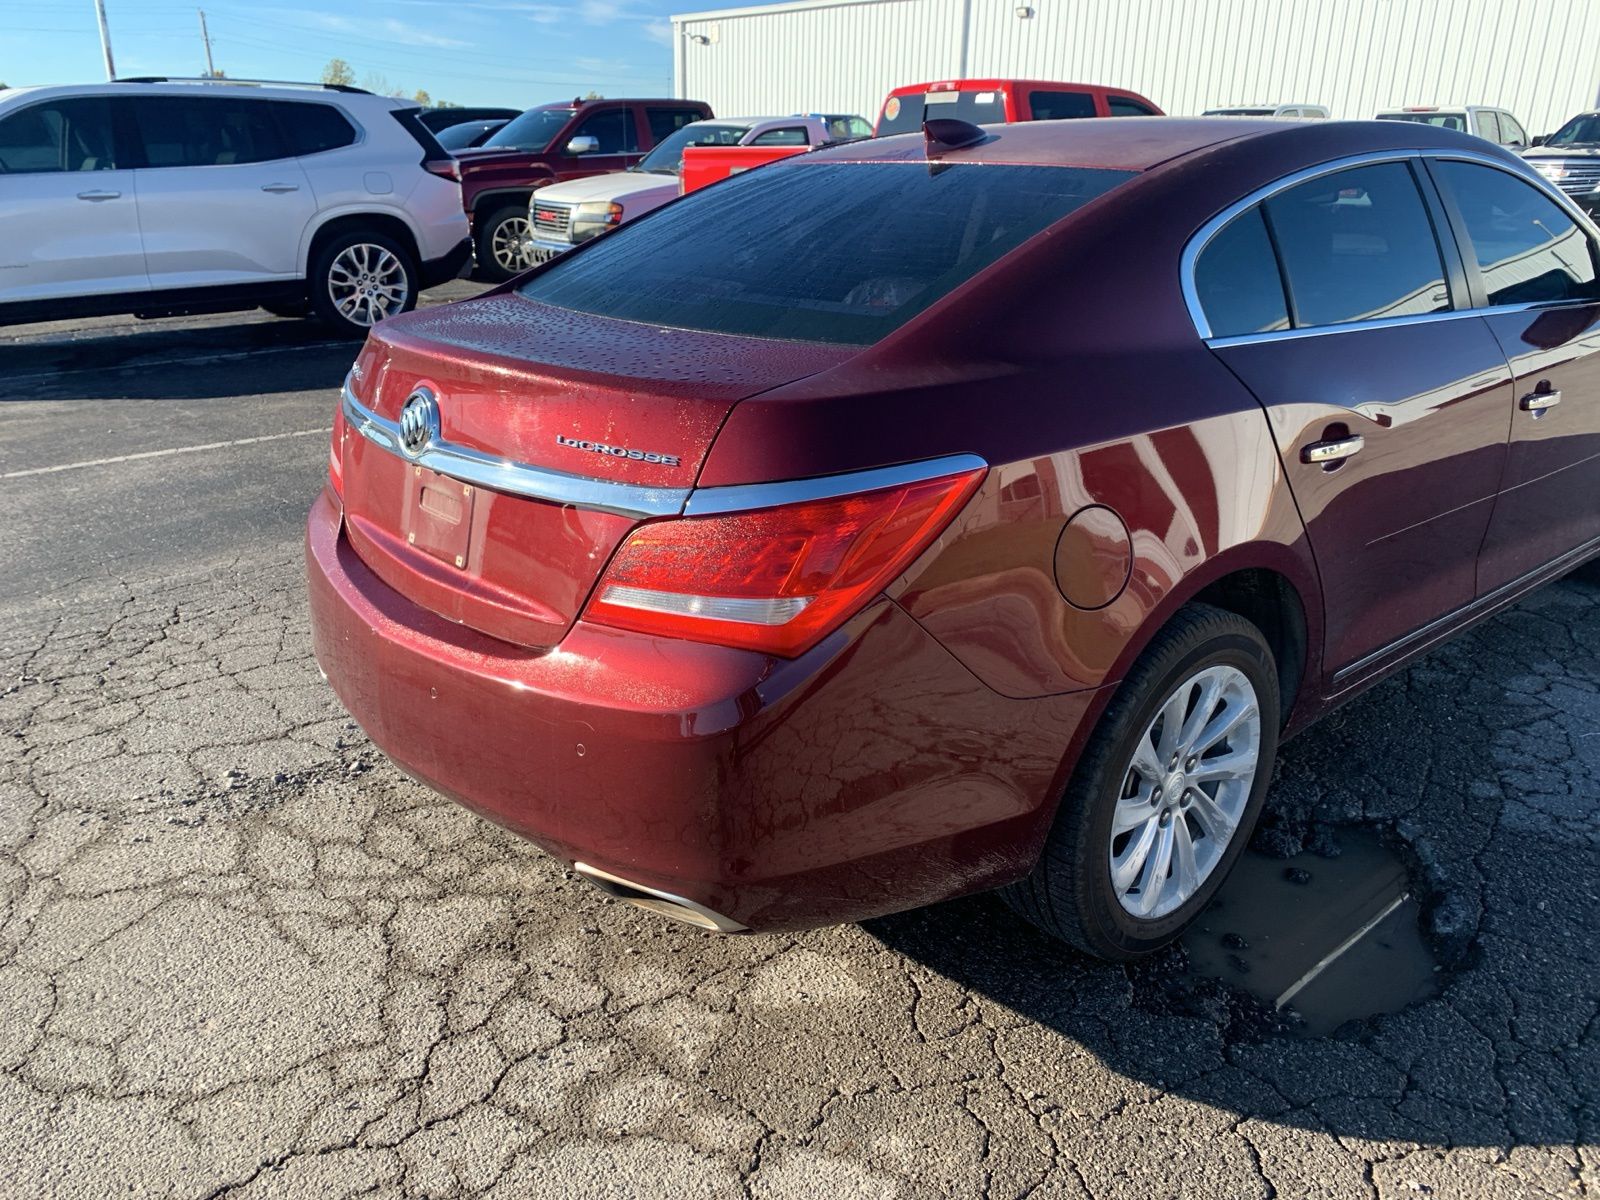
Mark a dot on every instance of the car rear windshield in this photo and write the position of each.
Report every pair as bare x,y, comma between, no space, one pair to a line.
533,130
904,114
839,252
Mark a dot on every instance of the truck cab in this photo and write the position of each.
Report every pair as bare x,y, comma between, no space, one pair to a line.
993,101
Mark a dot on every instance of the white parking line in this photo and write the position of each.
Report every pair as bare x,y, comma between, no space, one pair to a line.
122,458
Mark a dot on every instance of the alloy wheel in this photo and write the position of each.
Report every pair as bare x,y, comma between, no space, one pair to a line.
367,283
1185,791
509,244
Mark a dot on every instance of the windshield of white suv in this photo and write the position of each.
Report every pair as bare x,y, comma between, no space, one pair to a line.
533,130
667,157
1580,131
825,252
1444,120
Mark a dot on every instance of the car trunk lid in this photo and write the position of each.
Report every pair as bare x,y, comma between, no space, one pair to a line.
557,432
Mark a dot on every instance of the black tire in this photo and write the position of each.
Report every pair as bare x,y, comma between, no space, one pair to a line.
321,284
492,265
1070,894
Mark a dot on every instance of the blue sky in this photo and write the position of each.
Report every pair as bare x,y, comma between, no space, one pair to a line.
508,52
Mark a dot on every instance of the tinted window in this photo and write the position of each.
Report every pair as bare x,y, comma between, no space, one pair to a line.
789,135
465,136
1358,245
1060,106
1121,106
66,135
905,114
1237,280
533,130
188,131
1527,248
664,122
313,128
819,251
613,129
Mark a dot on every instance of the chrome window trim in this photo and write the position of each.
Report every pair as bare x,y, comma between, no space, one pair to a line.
1202,238
629,499
515,478
743,497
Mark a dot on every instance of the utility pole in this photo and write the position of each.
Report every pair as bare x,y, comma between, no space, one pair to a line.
205,40
105,39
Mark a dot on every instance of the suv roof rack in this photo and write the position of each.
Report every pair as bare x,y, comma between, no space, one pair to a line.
326,87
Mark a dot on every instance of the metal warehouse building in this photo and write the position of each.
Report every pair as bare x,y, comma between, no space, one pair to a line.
1539,58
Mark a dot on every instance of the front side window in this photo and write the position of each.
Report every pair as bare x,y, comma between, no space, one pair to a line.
1237,282
1511,131
1060,106
196,131
312,128
613,129
789,135
824,251
1358,245
1122,106
533,130
58,136
1489,127
1528,249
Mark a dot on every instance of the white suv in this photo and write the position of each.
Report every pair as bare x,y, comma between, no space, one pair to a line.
163,197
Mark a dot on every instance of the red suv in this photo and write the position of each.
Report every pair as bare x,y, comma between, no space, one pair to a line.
546,145
993,101
789,578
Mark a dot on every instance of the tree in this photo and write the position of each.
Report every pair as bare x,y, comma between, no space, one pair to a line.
423,98
338,73
593,95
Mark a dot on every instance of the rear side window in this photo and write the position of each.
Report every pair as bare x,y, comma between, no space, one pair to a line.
1528,249
1358,245
1060,106
1122,106
1237,282
789,135
1489,127
193,131
312,128
58,136
816,251
664,122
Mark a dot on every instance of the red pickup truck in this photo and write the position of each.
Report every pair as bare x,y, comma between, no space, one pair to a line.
993,101
550,144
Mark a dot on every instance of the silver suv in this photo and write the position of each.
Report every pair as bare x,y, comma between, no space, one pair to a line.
161,196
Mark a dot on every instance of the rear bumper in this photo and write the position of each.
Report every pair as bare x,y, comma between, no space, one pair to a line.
873,774
448,266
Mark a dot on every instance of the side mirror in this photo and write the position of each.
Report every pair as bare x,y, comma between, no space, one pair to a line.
1540,139
583,145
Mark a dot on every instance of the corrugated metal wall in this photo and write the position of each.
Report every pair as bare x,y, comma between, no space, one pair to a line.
1539,58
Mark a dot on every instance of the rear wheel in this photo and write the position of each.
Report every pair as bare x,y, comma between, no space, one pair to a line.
1166,793
360,278
502,243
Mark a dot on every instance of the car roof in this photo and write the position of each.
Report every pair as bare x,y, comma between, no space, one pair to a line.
1141,143
973,85
207,88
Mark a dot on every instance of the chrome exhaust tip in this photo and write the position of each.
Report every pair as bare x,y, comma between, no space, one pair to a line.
654,900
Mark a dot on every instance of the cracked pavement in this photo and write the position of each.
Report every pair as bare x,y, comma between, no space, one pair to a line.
241,955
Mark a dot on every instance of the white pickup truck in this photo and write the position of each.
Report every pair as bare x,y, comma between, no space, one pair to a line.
564,214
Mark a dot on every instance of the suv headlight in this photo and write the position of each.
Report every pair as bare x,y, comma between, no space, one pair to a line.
594,218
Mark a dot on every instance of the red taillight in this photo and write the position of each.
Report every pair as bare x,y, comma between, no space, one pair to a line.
336,455
445,168
774,579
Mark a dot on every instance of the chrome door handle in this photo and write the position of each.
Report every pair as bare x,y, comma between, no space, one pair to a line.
280,187
99,195
1322,453
1538,402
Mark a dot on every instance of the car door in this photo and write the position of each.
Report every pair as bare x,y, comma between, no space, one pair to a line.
616,142
69,225
1533,268
222,200
1387,401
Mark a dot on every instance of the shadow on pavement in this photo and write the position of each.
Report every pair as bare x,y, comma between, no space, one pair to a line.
1481,766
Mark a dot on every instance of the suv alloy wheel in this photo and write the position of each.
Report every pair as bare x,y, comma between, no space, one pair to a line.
361,277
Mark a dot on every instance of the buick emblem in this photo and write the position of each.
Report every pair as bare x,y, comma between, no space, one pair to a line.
419,422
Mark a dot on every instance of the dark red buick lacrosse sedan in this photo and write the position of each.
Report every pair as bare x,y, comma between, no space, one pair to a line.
949,512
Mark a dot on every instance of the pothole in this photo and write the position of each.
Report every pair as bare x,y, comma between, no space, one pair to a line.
1323,940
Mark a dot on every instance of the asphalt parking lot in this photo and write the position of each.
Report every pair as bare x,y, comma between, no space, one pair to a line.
240,955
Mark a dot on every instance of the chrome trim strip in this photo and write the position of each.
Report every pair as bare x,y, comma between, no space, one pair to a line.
1202,237
742,497
517,479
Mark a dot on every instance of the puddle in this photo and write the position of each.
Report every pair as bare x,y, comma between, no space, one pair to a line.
1332,939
